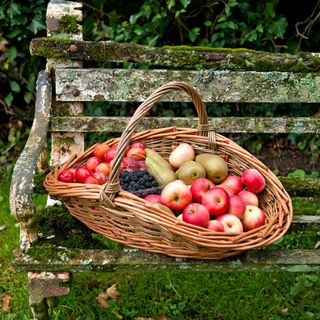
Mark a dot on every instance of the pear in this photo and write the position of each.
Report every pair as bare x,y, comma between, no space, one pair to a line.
161,174
216,167
162,207
190,171
150,153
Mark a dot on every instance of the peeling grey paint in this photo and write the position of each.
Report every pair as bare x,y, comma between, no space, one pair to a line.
213,86
22,178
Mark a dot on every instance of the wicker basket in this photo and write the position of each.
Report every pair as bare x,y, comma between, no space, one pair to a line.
128,219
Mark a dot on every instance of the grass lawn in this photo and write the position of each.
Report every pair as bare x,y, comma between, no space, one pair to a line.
183,295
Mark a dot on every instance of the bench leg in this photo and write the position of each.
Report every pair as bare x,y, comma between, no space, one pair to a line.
44,285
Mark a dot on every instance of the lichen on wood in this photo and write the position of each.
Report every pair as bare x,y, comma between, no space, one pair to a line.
22,182
212,85
295,260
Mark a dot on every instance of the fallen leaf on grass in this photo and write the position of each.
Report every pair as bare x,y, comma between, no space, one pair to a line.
111,292
5,298
2,227
102,300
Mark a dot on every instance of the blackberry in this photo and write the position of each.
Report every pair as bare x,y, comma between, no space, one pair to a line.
145,192
139,182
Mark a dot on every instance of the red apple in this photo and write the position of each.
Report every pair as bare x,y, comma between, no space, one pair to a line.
73,170
92,163
137,153
237,206
253,218
142,165
249,198
109,155
91,180
231,223
82,173
216,200
130,163
228,189
100,149
196,214
253,180
100,176
153,198
215,225
138,144
176,195
234,183
66,175
199,187
103,167
126,151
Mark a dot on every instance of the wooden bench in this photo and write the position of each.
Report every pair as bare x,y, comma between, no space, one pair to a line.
50,237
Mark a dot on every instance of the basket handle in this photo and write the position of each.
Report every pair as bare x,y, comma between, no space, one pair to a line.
112,187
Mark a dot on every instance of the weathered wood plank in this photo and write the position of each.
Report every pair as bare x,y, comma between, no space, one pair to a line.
305,223
63,21
213,86
176,57
22,182
223,124
303,187
133,260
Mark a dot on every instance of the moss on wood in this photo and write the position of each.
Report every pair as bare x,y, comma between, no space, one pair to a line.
56,227
175,56
38,183
210,49
131,260
303,187
68,24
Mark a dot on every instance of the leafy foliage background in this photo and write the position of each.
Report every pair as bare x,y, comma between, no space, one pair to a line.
269,25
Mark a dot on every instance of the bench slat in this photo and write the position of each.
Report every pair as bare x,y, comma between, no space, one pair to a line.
175,57
223,124
134,260
213,86
306,223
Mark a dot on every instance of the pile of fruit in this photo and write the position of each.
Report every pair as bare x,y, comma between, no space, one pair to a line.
97,168
198,189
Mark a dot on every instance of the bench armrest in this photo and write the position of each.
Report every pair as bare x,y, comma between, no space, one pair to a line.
22,183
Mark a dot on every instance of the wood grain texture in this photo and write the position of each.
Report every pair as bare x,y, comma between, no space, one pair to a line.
134,260
224,124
